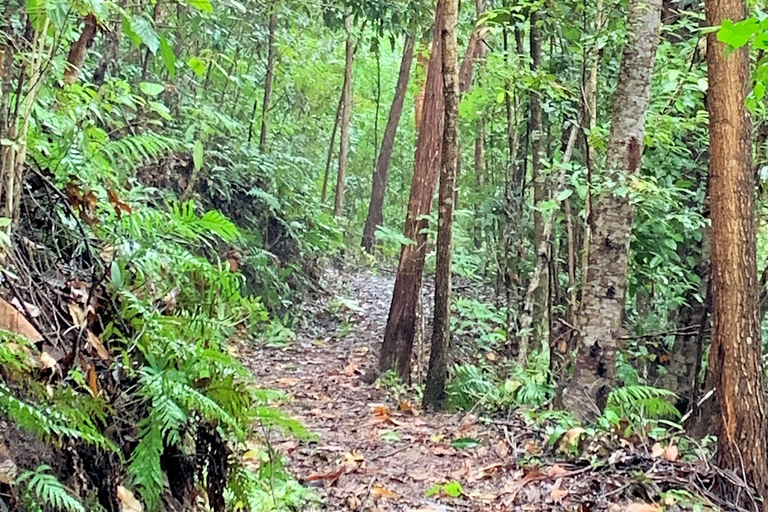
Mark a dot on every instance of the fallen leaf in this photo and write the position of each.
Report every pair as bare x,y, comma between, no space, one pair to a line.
531,447
440,450
657,450
488,470
556,470
404,406
353,458
383,492
671,453
287,382
382,412
26,308
77,314
642,507
419,476
329,477
128,502
95,342
12,320
558,494
350,370
47,361
491,356
571,438
119,205
481,496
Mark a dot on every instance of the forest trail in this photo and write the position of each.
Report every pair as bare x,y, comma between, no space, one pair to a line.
372,452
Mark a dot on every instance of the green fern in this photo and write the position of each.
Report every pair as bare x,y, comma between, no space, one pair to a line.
43,491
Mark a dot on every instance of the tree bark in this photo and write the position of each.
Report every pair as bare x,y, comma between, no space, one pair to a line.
606,281
401,323
479,178
543,252
79,48
735,354
434,390
346,112
379,184
268,83
331,147
538,178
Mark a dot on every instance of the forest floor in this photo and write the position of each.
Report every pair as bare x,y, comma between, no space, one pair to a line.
375,450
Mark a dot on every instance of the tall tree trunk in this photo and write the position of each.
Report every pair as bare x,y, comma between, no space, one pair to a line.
331,147
422,62
346,112
479,170
401,323
543,252
591,108
606,282
379,185
539,182
735,354
434,390
268,82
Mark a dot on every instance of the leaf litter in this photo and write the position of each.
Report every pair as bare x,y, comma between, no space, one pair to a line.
376,453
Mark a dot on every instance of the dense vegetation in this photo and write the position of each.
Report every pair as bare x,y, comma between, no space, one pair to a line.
175,177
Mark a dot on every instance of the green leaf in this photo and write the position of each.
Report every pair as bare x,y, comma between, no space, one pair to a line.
151,89
201,5
465,442
197,65
169,59
564,194
453,489
197,155
37,13
139,30
432,491
737,34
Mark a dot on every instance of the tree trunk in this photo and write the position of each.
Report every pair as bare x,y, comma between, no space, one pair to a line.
268,82
539,180
379,185
606,282
79,48
331,147
434,390
543,252
346,112
735,354
401,323
479,170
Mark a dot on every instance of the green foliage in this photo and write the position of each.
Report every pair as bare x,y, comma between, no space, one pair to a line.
43,491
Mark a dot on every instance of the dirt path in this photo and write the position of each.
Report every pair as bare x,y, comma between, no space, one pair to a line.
373,452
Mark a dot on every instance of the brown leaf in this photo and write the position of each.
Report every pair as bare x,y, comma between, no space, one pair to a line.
77,314
287,382
657,450
96,344
383,492
558,494
531,447
406,407
26,308
571,438
419,476
642,507
488,470
442,450
93,380
481,496
671,453
350,370
12,320
556,470
74,195
119,205
353,458
128,502
47,361
382,412
329,477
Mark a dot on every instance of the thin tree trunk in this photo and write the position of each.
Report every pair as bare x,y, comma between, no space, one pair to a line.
268,82
542,254
401,323
539,180
434,390
591,104
331,147
379,185
735,354
606,282
346,112
479,170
